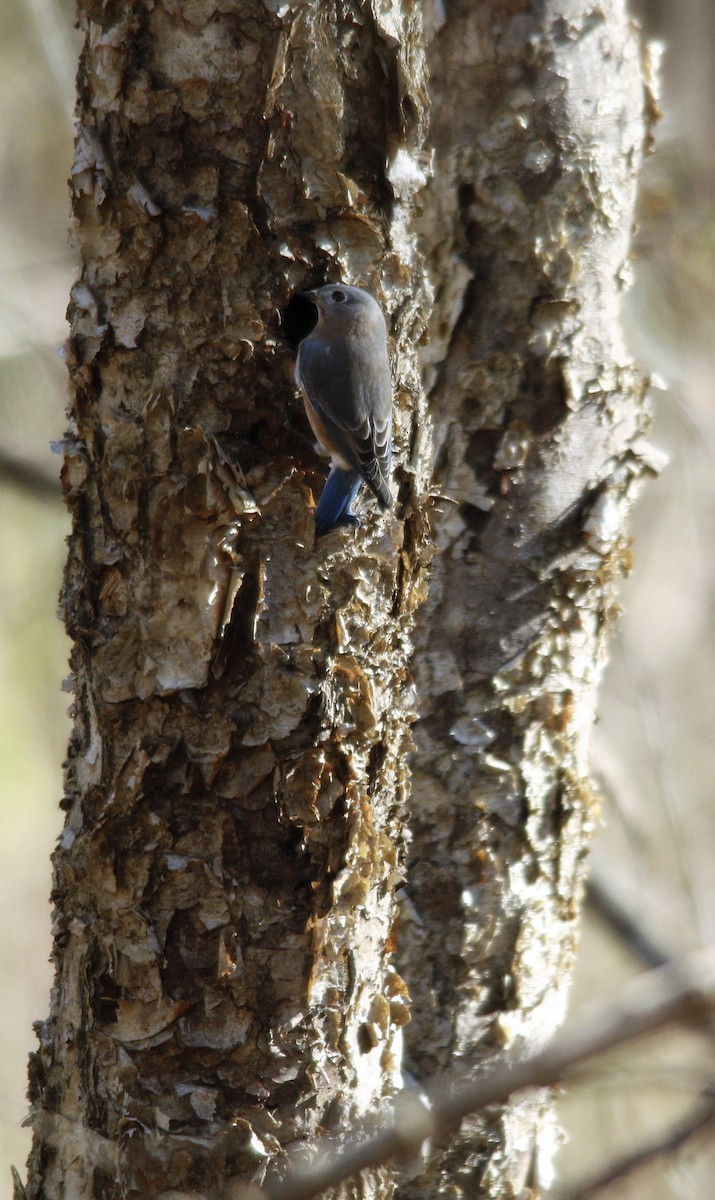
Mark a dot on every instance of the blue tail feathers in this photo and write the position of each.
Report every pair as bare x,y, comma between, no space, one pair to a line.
336,501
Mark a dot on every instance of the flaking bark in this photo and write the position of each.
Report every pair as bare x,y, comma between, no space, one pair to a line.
224,887
539,125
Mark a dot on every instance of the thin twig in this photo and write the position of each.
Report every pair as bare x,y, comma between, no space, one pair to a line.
609,901
667,1143
683,990
32,478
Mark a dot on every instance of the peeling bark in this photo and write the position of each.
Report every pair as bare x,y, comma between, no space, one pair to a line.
237,781
538,415
224,887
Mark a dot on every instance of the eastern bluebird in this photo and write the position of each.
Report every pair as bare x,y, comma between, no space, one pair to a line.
343,371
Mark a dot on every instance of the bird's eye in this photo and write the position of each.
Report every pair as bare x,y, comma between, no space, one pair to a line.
338,296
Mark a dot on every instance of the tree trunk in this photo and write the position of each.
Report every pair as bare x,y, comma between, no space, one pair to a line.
224,888
538,416
237,780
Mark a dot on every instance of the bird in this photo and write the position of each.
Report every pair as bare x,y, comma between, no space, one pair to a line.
343,370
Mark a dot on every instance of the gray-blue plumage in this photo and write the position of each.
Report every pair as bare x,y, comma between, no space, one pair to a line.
343,370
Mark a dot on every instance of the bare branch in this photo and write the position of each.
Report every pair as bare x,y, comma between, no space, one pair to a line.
667,1143
33,479
609,901
683,990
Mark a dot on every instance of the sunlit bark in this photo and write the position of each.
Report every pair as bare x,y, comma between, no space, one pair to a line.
236,783
538,415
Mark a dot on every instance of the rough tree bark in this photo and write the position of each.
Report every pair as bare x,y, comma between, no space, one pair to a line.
237,780
224,889
538,414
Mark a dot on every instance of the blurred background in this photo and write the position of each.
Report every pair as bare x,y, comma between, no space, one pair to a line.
653,882
652,891
38,53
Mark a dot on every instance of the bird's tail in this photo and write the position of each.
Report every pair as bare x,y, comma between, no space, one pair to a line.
336,501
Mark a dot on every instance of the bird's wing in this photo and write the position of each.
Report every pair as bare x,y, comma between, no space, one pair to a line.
351,394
